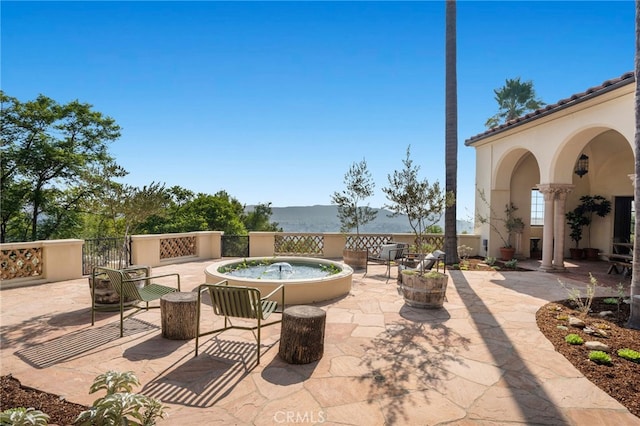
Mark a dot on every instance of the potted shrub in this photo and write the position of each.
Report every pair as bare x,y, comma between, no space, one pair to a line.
590,204
358,186
423,204
510,223
576,221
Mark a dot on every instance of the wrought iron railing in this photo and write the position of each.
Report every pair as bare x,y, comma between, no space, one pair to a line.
110,252
235,246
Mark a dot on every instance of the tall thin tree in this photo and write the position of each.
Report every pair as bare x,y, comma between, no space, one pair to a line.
634,319
451,133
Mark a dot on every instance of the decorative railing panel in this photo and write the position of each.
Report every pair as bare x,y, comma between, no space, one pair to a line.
369,242
434,241
299,244
21,263
177,247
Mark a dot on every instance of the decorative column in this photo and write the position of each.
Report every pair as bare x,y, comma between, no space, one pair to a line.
561,192
555,196
547,229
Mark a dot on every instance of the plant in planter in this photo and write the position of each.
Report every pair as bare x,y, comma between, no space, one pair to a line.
358,186
590,205
510,223
576,221
423,204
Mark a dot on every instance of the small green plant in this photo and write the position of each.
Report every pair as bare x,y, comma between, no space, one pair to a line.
610,300
573,339
620,296
330,269
630,354
464,252
433,274
600,357
575,295
490,260
511,264
562,317
463,265
244,264
119,406
509,222
23,417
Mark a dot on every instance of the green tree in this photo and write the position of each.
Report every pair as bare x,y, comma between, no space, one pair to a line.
187,212
359,185
128,207
219,212
422,203
259,219
48,151
634,318
174,218
451,135
514,99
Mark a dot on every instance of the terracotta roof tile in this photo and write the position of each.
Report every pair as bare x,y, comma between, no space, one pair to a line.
624,79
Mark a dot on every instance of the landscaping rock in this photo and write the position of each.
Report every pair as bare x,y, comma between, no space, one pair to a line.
597,346
576,322
595,332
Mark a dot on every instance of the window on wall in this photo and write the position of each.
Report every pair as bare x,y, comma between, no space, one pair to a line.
537,208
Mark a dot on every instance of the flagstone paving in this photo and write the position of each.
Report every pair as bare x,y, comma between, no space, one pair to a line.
479,361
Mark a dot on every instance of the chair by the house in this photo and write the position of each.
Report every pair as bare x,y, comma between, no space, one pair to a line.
242,304
385,254
133,284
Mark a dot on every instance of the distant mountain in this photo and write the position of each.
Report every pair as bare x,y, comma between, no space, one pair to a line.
325,219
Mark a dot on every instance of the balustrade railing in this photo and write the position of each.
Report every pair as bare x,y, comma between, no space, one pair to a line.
298,244
55,260
177,247
21,263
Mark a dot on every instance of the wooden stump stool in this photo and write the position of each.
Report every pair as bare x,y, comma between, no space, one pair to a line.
302,334
179,311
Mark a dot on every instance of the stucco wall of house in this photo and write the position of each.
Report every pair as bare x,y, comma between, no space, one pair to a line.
509,164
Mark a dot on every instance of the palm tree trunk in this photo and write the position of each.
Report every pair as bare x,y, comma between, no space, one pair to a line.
451,134
634,319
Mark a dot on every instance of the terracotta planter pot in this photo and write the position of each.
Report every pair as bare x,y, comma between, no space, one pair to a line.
591,253
357,259
424,291
506,253
576,253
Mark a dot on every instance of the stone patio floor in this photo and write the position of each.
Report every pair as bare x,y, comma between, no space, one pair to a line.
479,361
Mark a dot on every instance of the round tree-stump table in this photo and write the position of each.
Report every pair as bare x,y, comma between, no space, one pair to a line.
302,334
179,311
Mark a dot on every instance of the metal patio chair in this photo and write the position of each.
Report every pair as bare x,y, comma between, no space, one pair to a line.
138,288
238,302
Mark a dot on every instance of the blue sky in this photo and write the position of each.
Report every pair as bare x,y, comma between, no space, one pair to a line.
273,101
